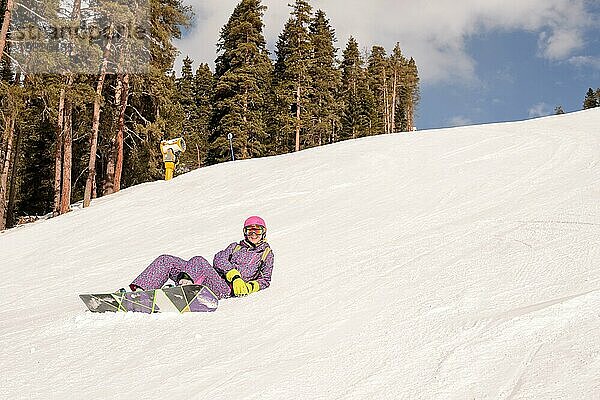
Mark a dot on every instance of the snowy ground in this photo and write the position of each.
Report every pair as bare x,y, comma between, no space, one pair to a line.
449,264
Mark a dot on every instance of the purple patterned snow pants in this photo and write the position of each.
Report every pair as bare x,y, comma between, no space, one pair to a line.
166,266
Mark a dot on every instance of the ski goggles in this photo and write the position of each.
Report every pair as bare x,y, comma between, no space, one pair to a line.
257,230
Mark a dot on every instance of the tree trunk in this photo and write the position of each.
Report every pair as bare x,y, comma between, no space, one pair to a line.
10,209
90,183
58,153
245,150
5,25
119,161
386,113
320,122
109,182
114,167
64,142
76,12
298,118
10,125
332,137
65,204
393,108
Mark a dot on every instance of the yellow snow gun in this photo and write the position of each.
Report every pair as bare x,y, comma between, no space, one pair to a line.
171,150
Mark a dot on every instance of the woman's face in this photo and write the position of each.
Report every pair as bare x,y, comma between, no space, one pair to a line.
254,233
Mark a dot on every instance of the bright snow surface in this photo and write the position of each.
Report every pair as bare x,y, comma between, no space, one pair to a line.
447,264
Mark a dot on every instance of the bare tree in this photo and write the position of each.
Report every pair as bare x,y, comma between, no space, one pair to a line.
91,179
114,169
64,136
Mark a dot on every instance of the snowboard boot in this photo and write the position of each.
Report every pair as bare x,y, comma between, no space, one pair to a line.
135,288
184,279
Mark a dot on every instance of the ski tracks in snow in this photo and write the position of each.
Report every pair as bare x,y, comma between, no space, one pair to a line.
455,264
505,346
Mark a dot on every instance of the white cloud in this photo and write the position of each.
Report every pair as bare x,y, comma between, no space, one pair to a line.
585,61
459,120
560,44
433,32
539,110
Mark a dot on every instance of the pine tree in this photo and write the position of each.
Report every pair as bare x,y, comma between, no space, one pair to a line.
312,102
281,107
590,100
243,74
558,110
409,97
156,116
397,64
11,106
204,87
185,85
378,70
195,95
368,109
351,74
293,79
13,175
359,110
185,94
34,161
326,82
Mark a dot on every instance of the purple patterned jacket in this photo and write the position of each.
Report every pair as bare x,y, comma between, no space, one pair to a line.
247,261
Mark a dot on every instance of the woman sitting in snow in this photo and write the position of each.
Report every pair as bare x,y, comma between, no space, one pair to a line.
240,269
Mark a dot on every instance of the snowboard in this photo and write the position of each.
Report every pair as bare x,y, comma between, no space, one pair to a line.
179,299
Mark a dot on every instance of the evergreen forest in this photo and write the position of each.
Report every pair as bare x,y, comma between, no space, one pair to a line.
71,135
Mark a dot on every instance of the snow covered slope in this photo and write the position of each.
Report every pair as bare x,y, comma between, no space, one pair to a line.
449,264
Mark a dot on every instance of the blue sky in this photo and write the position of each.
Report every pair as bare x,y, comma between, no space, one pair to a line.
479,62
511,83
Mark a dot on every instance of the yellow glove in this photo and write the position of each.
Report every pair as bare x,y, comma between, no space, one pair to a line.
253,286
239,285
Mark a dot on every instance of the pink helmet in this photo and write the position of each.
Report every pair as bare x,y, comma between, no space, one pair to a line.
255,220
